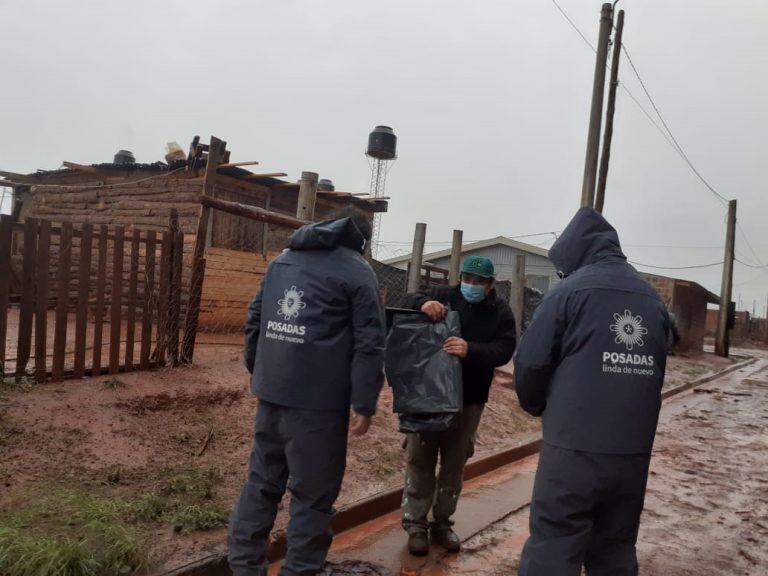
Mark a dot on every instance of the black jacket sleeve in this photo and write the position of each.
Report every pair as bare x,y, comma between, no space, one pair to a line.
252,328
415,300
368,353
499,350
538,354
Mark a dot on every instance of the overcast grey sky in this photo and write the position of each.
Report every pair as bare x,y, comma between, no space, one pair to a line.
489,100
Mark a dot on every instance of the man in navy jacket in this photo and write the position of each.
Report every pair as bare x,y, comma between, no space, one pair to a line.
314,342
591,364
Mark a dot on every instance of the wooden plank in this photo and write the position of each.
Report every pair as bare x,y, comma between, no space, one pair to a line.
41,308
133,280
6,233
78,167
116,319
101,282
174,314
165,286
252,212
234,164
193,311
266,175
148,303
62,303
26,313
83,289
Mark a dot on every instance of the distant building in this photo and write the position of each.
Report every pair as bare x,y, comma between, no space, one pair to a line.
539,271
688,301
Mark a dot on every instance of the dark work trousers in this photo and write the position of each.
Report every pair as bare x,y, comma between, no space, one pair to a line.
306,451
585,511
425,489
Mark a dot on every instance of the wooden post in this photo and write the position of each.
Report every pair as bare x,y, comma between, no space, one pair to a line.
98,314
83,288
305,203
265,226
518,294
62,303
765,325
148,309
455,267
164,297
6,238
174,315
133,288
726,290
596,112
27,307
417,255
41,309
216,153
610,110
116,308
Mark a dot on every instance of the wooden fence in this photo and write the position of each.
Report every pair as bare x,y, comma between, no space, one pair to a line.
81,300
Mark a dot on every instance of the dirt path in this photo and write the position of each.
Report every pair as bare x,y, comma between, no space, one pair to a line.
706,508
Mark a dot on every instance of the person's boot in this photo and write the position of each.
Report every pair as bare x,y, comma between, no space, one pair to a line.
418,542
446,538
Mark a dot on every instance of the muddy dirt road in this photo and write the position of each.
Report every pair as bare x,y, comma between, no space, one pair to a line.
706,509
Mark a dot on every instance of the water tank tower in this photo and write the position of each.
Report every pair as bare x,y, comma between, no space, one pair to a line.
381,151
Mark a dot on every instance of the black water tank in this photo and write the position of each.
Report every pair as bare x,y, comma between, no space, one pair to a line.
124,157
382,143
326,185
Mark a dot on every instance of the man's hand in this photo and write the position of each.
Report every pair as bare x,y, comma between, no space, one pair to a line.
434,310
456,347
360,424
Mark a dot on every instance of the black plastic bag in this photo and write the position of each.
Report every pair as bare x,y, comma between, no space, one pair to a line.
420,423
425,379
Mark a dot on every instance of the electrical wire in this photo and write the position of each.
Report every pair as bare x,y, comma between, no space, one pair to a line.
676,267
723,200
621,84
761,266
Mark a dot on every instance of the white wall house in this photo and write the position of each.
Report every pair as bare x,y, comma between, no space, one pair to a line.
539,271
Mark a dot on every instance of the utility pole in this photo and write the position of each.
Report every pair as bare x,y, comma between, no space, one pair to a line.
609,112
765,326
305,202
596,113
518,294
726,289
417,255
455,267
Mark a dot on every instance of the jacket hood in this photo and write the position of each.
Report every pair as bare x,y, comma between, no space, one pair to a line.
587,239
328,235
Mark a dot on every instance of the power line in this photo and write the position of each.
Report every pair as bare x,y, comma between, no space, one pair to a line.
621,84
746,241
761,266
675,144
719,196
676,267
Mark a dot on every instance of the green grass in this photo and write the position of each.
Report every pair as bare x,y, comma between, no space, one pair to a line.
68,533
84,532
197,483
7,433
113,383
207,516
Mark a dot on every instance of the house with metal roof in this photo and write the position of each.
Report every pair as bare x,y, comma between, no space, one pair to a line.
540,273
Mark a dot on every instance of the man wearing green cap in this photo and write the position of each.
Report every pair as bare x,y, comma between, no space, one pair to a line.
488,341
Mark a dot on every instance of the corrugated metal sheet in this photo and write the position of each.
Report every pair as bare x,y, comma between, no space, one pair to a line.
539,270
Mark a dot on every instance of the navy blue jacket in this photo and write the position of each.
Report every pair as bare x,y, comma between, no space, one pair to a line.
592,361
314,337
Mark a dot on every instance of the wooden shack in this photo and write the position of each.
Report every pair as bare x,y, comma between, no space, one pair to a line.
145,196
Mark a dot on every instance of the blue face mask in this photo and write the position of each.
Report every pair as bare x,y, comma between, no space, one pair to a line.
473,293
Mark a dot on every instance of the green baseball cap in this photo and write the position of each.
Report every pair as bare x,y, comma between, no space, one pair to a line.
479,266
